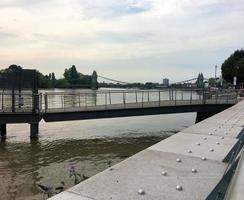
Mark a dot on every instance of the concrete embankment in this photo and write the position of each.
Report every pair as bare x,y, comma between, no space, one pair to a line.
190,165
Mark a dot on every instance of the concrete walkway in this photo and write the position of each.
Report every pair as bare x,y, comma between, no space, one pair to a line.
186,166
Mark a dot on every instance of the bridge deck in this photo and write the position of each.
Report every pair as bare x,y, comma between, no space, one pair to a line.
212,138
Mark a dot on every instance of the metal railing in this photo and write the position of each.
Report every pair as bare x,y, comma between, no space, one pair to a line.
26,102
126,99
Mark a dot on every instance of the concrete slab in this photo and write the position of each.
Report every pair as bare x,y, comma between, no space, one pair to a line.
199,145
143,171
207,129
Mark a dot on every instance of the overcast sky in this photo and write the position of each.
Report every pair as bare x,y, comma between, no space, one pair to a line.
129,40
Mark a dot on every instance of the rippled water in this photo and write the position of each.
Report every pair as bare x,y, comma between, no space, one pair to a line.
87,145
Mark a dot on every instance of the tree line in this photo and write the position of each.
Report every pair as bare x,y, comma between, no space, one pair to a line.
71,78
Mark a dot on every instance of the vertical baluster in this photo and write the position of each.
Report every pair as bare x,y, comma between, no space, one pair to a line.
142,97
191,98
105,100
86,101
148,96
182,95
124,98
136,97
216,96
62,102
175,96
169,95
110,100
79,101
46,103
2,102
159,99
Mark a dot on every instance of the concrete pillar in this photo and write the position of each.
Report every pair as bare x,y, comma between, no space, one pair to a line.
34,130
3,130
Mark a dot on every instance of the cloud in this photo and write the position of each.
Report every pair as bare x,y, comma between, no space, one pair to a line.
20,3
158,37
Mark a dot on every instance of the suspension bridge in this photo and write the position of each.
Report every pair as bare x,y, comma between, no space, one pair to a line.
115,81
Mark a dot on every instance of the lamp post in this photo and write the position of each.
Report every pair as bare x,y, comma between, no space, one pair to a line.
216,71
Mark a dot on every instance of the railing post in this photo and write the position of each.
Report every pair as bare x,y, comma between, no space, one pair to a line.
110,100
79,100
148,96
40,101
169,95
105,100
159,98
85,101
142,97
45,102
182,98
191,98
62,102
175,96
2,102
136,97
123,97
13,101
217,96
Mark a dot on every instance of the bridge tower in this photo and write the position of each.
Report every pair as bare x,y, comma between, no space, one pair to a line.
94,84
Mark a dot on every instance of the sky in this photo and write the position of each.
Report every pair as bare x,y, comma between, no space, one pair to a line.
127,40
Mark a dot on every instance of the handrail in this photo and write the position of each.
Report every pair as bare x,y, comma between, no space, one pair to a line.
110,99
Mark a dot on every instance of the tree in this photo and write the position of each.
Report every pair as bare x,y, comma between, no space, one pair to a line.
71,75
53,79
234,66
62,83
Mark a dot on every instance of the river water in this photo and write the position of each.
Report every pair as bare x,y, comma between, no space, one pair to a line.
88,146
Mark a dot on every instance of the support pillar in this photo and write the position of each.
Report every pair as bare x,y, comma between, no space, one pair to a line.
3,131
34,130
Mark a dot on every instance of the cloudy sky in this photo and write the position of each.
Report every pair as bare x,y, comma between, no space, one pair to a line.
129,40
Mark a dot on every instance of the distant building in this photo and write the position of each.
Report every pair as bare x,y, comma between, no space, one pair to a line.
166,82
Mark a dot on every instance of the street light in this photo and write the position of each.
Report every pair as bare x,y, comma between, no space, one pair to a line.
216,71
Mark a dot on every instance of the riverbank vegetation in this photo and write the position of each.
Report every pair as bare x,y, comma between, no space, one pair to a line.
71,78
233,66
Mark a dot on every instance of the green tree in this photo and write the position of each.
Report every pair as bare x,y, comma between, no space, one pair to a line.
62,83
53,79
71,75
234,66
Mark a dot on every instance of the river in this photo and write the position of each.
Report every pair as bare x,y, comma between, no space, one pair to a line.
88,146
